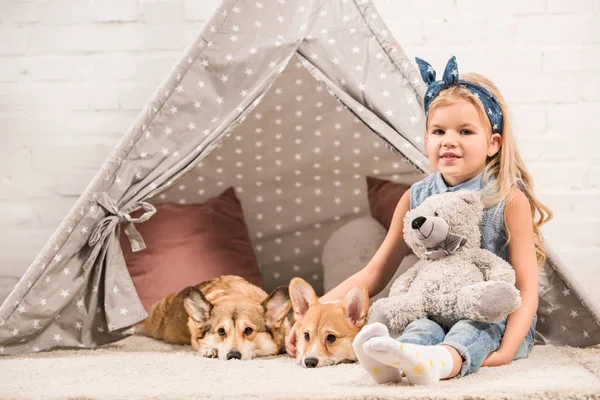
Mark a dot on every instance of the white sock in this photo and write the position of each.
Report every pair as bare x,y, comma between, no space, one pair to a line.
423,365
380,372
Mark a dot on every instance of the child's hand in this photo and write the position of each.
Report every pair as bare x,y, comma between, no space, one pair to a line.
290,341
496,359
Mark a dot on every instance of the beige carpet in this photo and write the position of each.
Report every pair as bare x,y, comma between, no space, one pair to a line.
140,367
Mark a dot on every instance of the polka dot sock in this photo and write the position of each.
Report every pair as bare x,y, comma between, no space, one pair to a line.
380,372
423,365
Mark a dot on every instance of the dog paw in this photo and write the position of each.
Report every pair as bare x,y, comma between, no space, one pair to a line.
209,352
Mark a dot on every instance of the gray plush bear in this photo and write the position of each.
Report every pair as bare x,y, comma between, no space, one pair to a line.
454,278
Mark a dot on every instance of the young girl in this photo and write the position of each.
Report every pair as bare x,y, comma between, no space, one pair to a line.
470,145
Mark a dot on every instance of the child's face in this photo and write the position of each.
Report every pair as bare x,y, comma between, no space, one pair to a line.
457,143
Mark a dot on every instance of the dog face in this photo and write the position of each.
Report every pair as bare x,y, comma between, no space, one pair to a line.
324,332
238,330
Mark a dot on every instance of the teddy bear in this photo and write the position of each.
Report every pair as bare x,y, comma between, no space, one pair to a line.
454,278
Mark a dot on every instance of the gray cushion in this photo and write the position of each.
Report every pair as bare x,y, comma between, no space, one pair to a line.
351,247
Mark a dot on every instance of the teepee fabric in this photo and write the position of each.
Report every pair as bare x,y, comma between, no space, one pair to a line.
292,103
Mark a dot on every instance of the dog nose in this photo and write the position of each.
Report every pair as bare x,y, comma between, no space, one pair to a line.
311,362
418,222
234,354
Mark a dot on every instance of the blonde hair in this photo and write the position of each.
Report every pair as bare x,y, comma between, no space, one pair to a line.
506,166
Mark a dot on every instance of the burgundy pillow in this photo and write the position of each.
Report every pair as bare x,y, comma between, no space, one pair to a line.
190,243
383,197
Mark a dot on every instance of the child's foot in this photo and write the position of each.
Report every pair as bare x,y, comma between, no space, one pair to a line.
381,373
423,365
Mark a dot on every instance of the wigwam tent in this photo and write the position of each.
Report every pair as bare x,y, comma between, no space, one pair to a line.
290,102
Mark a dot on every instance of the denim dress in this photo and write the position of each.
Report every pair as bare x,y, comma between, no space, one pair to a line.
473,340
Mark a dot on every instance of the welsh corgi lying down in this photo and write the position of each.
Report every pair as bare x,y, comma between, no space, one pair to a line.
226,318
324,332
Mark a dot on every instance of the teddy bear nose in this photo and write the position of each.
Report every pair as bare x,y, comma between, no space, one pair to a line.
418,222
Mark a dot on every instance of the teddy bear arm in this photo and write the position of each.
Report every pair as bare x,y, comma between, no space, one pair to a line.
493,267
403,282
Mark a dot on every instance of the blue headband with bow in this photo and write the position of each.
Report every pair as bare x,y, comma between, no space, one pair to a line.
450,78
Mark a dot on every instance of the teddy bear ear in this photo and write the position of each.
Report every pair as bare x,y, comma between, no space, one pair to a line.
470,197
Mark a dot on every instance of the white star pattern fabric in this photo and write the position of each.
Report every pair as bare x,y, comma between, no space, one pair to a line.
293,103
298,164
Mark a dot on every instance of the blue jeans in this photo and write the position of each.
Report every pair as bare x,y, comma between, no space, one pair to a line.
474,341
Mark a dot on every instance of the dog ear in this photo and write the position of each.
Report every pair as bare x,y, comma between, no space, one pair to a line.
277,306
303,297
196,305
356,305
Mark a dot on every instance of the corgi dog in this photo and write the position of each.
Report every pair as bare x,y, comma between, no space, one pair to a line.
226,317
324,332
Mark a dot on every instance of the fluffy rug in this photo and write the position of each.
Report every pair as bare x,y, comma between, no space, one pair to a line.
139,367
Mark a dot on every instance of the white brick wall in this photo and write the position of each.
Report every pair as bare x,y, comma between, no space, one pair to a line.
74,74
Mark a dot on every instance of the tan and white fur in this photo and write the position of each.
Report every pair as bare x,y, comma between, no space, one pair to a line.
226,318
325,331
